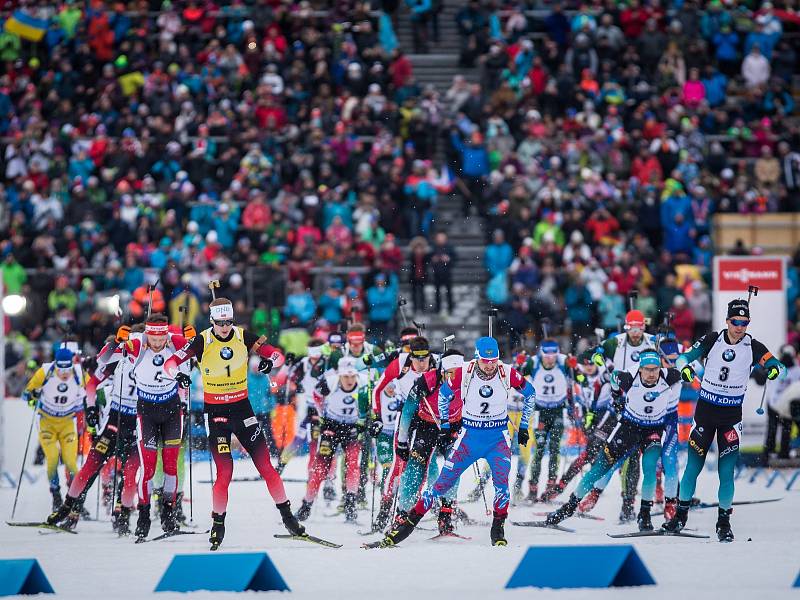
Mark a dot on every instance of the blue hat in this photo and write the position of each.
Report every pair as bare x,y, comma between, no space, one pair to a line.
335,338
549,347
668,347
64,358
487,349
649,358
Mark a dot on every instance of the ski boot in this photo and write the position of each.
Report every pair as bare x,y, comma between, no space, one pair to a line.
678,521
169,520
122,522
142,523
72,520
157,498
589,500
180,517
670,504
328,491
627,512
724,532
85,513
552,490
217,530
497,533
404,524
445,518
643,518
289,521
304,511
517,493
60,513
565,511
532,494
382,519
115,516
350,510
57,501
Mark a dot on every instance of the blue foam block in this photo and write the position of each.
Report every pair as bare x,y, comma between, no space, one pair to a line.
23,576
797,581
579,567
221,573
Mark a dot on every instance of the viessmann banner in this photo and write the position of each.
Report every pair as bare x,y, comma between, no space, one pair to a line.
733,275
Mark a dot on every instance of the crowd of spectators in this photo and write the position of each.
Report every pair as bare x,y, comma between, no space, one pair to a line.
286,149
257,143
601,140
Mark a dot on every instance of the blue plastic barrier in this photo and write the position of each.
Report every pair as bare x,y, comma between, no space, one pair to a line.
23,576
221,573
580,567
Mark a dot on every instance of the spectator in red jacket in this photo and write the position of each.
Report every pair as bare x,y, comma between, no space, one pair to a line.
683,321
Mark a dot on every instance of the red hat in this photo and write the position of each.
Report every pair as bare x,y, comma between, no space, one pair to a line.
634,318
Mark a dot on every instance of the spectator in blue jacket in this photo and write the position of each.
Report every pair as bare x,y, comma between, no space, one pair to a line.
331,302
381,306
498,255
473,169
716,85
679,236
300,304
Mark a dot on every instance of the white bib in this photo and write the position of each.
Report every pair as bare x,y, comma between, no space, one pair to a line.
151,384
339,405
485,402
649,405
727,370
550,386
61,398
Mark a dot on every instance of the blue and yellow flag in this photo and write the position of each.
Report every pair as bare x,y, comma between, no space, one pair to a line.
26,26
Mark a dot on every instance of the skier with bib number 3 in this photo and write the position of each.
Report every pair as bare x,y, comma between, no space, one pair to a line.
484,385
729,356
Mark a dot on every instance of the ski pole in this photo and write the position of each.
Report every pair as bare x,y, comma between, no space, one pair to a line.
483,488
491,313
184,310
401,304
760,409
24,459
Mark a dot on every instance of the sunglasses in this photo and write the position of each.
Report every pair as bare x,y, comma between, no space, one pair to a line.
227,323
740,322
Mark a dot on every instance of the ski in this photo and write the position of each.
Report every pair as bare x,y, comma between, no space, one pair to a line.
164,536
580,515
542,524
702,505
656,533
378,544
362,532
41,525
444,536
307,538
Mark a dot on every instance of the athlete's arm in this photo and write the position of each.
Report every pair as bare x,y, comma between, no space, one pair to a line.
260,346
190,349
410,407
32,389
391,373
524,387
698,351
764,358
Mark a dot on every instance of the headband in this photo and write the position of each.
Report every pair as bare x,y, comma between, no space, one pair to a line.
452,361
156,328
222,312
356,336
649,358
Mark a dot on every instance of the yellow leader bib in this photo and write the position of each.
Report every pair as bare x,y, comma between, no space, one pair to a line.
224,368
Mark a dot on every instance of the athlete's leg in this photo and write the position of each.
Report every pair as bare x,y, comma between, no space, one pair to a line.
98,455
540,436
219,436
129,470
728,441
669,458
554,448
650,457
148,453
322,463
48,439
352,455
700,439
499,458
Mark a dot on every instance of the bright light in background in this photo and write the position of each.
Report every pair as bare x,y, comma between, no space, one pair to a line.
110,305
14,304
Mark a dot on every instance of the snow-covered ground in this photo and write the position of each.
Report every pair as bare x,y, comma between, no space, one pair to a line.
763,561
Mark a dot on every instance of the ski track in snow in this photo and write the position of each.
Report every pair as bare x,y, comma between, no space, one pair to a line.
96,562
